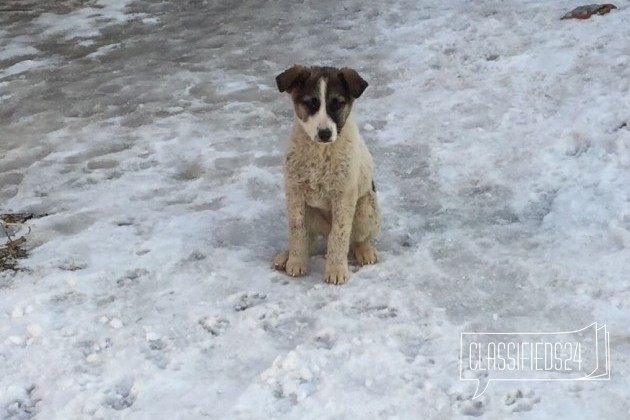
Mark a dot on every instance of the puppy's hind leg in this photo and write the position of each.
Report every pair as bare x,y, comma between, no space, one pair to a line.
365,226
364,252
280,260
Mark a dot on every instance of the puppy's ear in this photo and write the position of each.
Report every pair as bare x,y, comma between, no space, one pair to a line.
289,77
353,82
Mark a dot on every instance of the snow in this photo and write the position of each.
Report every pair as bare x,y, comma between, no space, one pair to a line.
149,137
84,22
14,47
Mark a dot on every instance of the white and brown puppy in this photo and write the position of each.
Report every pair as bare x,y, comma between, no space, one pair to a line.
328,173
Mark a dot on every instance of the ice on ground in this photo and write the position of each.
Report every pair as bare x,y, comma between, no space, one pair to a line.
148,138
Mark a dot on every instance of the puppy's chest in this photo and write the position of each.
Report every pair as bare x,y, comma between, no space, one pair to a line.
319,177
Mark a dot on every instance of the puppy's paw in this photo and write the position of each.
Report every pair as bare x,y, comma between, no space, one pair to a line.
280,260
296,267
337,273
365,253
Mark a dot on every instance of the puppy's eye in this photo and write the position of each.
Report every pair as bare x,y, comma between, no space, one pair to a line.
335,104
312,104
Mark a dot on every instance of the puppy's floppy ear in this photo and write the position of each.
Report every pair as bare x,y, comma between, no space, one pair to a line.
351,79
289,77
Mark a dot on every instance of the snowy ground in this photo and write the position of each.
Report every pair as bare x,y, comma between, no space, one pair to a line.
151,134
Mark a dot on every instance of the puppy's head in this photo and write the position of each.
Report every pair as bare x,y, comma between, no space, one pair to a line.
322,98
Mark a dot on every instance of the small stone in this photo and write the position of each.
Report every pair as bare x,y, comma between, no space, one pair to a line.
306,374
34,330
92,358
17,313
103,320
116,323
151,336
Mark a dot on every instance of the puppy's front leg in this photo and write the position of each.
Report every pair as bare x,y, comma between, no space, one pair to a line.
299,258
339,239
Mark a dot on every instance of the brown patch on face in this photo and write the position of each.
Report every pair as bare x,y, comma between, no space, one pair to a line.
353,82
338,100
290,77
343,86
306,94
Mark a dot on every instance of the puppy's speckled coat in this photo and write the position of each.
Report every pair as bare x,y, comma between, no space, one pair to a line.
328,173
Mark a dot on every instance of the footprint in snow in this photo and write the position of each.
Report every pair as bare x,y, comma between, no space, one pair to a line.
214,325
122,396
23,404
473,408
520,401
243,301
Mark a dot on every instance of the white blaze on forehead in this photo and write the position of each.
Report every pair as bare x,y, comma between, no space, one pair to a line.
323,84
320,120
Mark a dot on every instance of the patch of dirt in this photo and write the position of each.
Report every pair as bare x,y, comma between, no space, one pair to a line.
585,12
13,239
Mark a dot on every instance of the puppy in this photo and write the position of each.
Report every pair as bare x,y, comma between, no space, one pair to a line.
328,173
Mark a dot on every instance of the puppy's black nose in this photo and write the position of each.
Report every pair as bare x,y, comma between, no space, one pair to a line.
324,135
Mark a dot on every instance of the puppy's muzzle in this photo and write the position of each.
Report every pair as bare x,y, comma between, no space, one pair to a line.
324,135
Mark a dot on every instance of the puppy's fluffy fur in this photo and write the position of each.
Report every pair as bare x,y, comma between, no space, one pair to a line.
328,173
